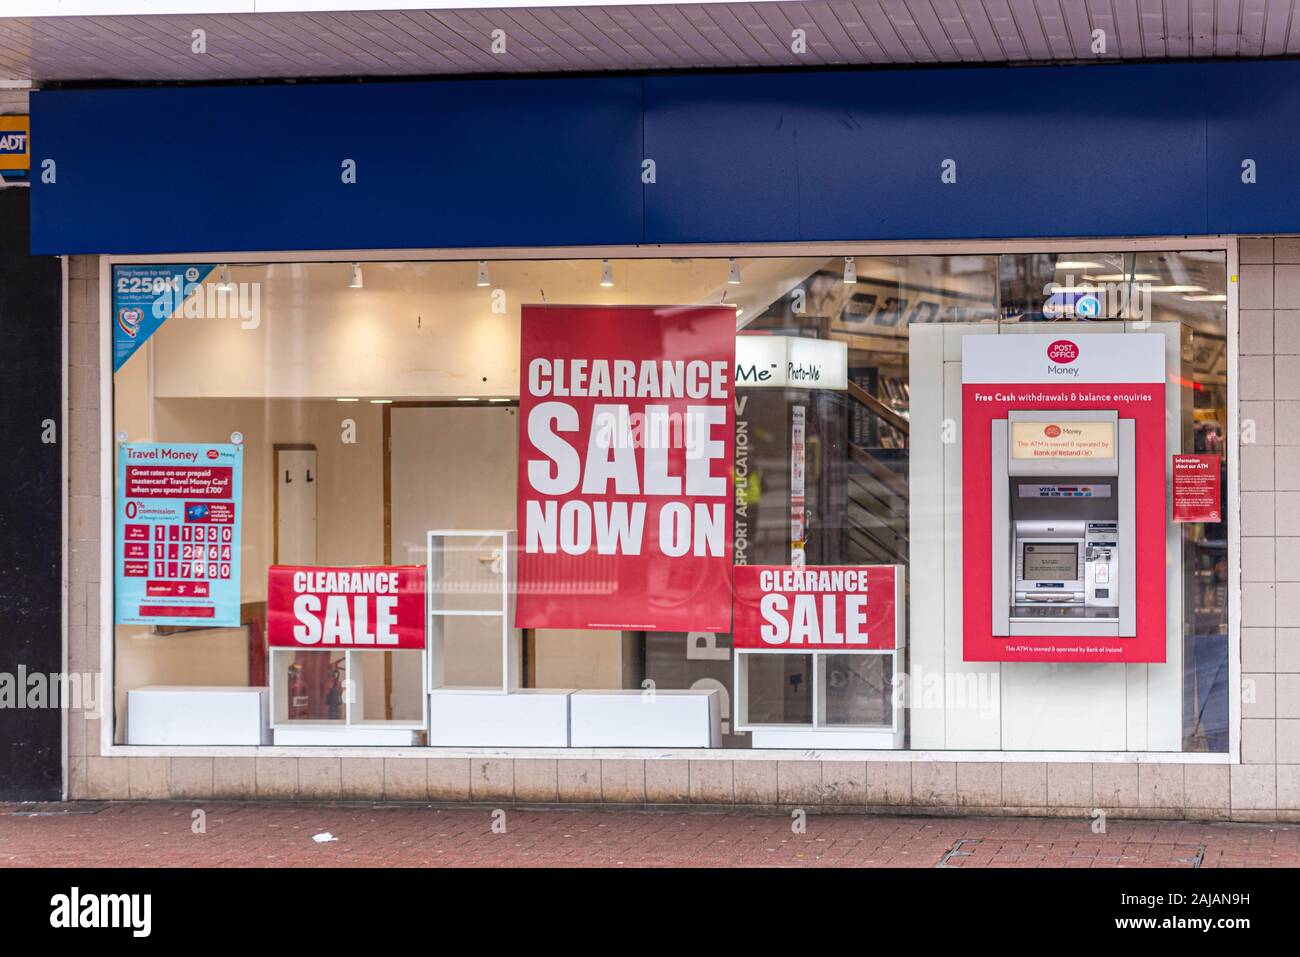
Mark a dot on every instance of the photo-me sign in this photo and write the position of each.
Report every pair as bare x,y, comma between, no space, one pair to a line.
1063,497
625,467
791,362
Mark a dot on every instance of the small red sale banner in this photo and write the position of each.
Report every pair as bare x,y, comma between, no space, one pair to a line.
1196,488
374,607
818,607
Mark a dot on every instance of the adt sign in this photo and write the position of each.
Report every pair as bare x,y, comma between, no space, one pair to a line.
15,144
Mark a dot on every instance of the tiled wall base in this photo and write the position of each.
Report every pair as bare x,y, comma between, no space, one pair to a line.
1201,792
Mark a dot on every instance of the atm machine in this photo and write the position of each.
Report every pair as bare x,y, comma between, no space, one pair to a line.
1063,524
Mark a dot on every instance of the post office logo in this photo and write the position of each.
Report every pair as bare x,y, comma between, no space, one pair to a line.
1063,351
1052,431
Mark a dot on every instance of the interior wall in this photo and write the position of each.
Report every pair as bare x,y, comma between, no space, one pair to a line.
457,468
348,438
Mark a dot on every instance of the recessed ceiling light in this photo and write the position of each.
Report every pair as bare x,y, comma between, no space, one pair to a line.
381,401
346,400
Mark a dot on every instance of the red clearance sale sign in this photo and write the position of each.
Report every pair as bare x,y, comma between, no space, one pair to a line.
784,608
625,478
374,607
1196,487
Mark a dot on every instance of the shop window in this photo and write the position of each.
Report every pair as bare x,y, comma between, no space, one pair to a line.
366,421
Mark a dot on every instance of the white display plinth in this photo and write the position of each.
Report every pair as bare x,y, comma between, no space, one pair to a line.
526,718
197,715
379,734
644,719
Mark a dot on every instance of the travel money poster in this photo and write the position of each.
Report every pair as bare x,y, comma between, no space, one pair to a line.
179,510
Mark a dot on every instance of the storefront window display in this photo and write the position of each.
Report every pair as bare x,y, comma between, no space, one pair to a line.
501,503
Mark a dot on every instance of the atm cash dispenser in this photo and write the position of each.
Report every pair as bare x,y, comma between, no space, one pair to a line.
1063,514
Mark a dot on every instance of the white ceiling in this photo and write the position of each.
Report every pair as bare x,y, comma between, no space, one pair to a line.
637,36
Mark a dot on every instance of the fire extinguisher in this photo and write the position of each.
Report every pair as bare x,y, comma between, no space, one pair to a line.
299,701
334,694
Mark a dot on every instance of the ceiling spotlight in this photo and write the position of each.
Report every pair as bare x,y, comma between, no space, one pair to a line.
733,273
606,273
356,282
482,280
225,285
850,270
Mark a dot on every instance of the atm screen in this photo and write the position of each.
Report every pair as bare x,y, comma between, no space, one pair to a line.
1051,562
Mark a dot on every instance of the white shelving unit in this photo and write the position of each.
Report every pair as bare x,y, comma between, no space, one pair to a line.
351,727
477,582
819,733
471,575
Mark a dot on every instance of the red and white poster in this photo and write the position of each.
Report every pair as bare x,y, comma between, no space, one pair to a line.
819,607
1196,488
378,607
625,467
1110,373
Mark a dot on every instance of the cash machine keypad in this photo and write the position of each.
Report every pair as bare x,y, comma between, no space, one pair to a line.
1100,564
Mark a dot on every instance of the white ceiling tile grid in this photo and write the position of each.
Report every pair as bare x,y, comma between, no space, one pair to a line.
764,33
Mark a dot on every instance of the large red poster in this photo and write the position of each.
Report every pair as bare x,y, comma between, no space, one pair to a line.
625,480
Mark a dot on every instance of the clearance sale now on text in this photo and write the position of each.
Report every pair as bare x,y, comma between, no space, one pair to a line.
627,453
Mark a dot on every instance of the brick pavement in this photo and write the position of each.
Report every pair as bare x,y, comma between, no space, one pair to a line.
280,834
